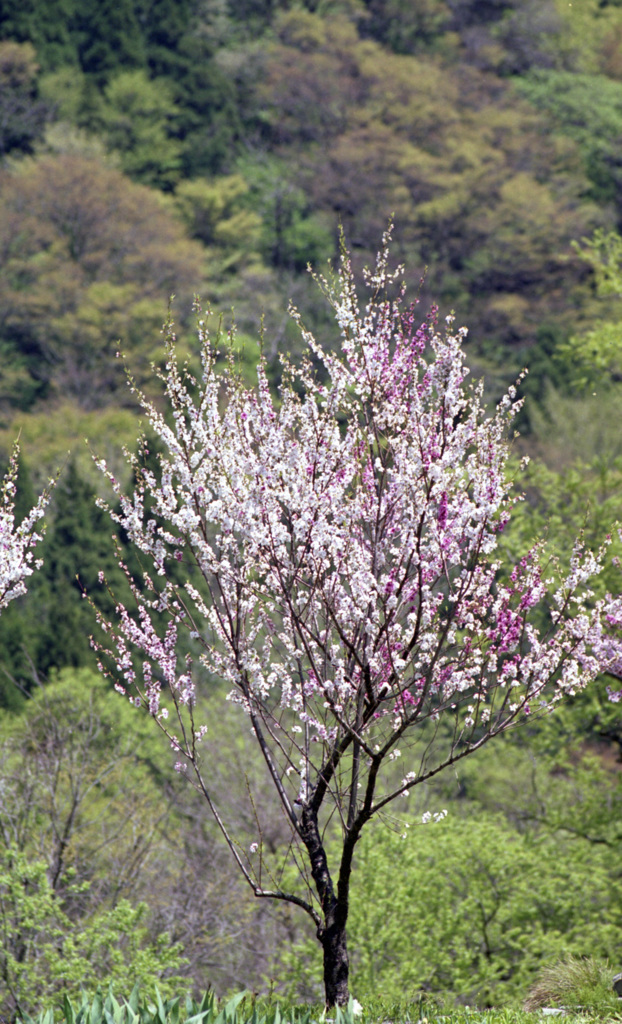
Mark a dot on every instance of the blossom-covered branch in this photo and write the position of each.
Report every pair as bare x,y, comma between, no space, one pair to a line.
344,577
17,541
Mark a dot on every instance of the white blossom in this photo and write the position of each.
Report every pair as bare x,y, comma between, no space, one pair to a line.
345,586
17,541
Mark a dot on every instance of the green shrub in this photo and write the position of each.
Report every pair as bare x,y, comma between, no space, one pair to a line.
45,956
467,910
574,982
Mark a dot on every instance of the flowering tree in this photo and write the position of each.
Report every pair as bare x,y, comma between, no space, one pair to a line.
17,542
341,578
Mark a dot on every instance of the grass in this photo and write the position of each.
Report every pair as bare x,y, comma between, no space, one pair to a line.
583,987
243,1009
576,982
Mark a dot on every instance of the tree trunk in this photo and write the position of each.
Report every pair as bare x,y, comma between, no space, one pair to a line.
332,934
336,963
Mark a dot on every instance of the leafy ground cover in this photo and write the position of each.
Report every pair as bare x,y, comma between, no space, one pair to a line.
244,1008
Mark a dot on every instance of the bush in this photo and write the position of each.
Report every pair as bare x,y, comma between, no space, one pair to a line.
43,954
575,982
467,910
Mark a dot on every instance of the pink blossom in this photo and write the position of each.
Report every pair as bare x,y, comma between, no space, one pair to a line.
17,541
343,558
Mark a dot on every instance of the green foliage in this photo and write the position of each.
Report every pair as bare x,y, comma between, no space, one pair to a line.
340,129
587,108
560,778
108,36
576,436
291,234
139,1009
209,114
82,805
572,488
304,115
85,785
78,787
49,433
469,908
50,629
84,254
216,212
480,926
44,23
166,24
136,1010
22,114
406,26
589,40
253,16
585,983
595,356
527,36
67,88
138,120
391,132
44,954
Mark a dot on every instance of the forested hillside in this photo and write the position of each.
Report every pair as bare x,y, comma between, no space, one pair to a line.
154,151
177,149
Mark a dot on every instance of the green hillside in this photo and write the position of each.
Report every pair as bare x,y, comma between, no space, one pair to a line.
180,155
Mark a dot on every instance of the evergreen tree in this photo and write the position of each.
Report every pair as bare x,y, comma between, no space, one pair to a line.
47,24
18,631
50,628
164,23
109,37
22,114
78,541
255,15
208,121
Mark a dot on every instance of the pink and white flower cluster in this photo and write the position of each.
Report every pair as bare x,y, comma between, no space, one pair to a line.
17,542
342,545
